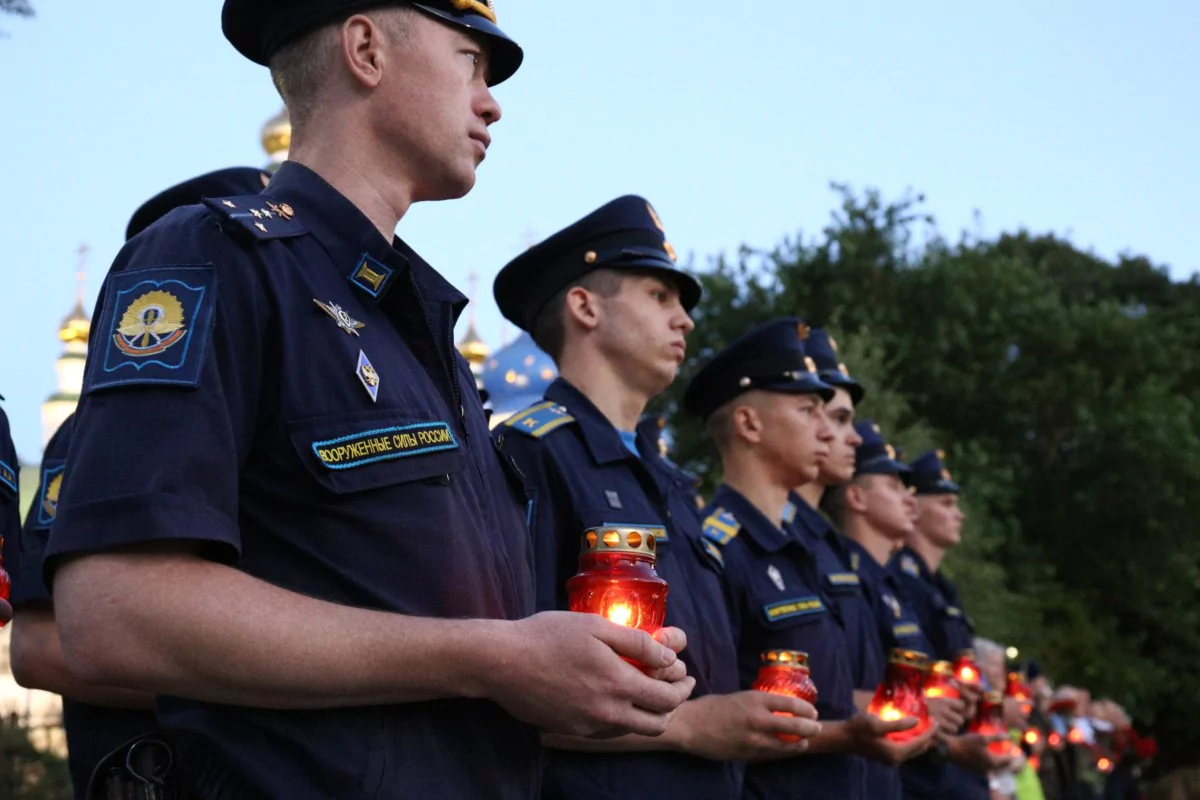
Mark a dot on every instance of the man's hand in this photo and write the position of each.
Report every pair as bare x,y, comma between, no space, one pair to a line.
566,672
745,726
1014,716
947,713
971,752
971,693
869,735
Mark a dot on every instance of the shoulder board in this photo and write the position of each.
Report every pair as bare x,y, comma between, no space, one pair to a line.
789,513
539,420
909,565
721,527
854,560
260,218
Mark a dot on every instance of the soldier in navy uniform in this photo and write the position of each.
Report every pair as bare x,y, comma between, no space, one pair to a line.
867,653
97,719
287,518
10,510
761,401
934,598
604,299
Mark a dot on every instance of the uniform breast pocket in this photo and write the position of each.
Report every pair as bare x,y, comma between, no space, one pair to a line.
363,450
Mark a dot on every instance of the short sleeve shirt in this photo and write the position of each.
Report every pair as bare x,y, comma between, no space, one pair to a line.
272,380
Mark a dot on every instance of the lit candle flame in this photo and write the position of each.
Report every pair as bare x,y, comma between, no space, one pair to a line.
620,613
889,713
1032,736
1076,736
1104,765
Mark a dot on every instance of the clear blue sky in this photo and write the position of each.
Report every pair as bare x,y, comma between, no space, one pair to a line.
1075,117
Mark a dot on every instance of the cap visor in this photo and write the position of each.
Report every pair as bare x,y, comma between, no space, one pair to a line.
808,384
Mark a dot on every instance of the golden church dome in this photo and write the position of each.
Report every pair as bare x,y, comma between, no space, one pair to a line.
277,136
472,347
76,325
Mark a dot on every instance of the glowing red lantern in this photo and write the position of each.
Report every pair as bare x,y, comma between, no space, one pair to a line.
1035,763
786,672
940,681
1055,741
1032,737
616,578
1076,736
1104,764
966,670
902,694
1017,690
5,582
989,721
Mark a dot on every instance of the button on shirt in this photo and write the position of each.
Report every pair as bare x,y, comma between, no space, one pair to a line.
228,405
92,731
774,590
857,618
583,475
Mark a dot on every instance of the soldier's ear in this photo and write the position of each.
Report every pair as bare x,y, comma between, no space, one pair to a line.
855,497
747,424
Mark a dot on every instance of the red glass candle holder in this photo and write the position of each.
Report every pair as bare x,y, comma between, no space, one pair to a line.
1017,689
940,682
966,670
786,672
616,578
902,694
989,721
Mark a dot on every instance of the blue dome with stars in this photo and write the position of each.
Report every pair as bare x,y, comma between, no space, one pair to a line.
516,376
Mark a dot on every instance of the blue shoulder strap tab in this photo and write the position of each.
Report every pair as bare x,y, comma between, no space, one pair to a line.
721,527
539,420
909,565
261,218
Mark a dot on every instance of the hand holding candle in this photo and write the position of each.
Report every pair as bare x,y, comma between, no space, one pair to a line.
902,694
785,672
616,578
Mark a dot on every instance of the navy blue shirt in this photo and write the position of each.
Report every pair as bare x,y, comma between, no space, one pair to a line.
272,380
934,600
10,508
581,475
92,731
777,600
856,615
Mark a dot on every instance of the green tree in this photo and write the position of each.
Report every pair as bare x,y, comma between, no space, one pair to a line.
27,773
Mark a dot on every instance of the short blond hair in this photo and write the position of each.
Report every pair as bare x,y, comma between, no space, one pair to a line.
300,68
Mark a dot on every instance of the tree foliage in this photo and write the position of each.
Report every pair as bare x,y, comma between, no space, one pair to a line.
19,7
1065,389
26,772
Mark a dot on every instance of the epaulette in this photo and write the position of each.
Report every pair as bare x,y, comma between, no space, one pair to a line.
721,527
539,420
259,217
909,565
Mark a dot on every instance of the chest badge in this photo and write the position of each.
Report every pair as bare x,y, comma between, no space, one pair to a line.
344,321
367,374
614,499
776,577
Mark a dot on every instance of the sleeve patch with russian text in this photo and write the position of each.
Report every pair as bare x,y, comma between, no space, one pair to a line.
154,328
797,607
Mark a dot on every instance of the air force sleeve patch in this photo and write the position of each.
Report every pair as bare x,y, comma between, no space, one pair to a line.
153,328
